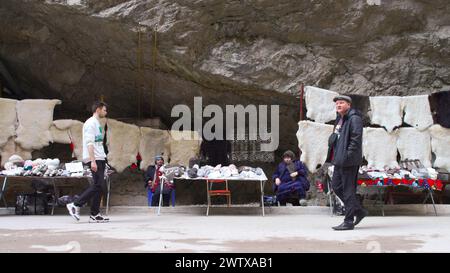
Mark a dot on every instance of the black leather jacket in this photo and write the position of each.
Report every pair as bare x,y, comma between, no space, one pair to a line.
347,149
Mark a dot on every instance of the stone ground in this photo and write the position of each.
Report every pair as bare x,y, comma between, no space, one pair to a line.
144,231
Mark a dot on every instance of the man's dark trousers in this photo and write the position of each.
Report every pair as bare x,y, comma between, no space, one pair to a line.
95,190
344,185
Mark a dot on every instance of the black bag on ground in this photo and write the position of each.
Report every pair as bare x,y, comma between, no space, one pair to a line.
31,204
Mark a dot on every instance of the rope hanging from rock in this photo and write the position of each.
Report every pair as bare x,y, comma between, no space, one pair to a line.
140,74
154,55
140,70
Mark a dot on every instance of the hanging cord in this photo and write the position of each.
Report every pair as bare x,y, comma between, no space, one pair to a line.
154,56
140,75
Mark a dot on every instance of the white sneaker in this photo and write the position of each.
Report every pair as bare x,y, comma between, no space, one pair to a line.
74,211
303,202
98,218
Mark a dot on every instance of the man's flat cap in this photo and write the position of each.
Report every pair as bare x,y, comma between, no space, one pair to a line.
343,97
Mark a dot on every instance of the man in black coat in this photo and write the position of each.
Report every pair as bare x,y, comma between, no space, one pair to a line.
345,153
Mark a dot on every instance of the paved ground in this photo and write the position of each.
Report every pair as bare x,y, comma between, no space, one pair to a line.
144,231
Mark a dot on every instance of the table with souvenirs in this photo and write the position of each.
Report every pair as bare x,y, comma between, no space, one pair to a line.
213,174
43,174
410,174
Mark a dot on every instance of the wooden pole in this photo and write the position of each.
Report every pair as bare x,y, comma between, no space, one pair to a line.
302,90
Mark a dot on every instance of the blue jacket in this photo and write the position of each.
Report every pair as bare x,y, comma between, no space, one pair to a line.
288,187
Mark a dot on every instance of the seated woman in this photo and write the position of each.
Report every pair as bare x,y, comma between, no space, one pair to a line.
152,183
290,180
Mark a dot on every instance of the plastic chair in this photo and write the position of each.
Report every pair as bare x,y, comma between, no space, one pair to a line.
223,192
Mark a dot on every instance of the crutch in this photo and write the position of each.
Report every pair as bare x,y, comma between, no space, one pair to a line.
162,180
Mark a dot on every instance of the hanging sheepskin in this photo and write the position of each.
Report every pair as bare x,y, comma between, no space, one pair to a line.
153,142
35,119
123,144
440,145
417,112
59,136
414,144
183,146
313,142
380,148
76,136
60,131
8,120
319,104
69,131
11,148
386,111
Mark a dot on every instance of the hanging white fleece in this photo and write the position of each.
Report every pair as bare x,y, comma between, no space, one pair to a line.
12,148
93,134
123,144
60,130
414,144
35,119
386,111
8,120
313,142
417,112
184,145
380,148
153,142
440,145
76,135
319,104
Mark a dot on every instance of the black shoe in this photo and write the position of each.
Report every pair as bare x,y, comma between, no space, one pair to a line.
361,214
98,219
344,226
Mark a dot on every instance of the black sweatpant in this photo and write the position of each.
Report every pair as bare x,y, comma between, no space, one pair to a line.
95,190
344,183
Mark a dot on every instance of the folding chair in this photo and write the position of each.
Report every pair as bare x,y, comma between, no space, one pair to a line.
223,192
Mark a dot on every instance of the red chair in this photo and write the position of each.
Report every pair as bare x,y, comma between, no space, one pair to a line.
221,192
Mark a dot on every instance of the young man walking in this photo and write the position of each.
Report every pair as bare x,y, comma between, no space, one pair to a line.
94,156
